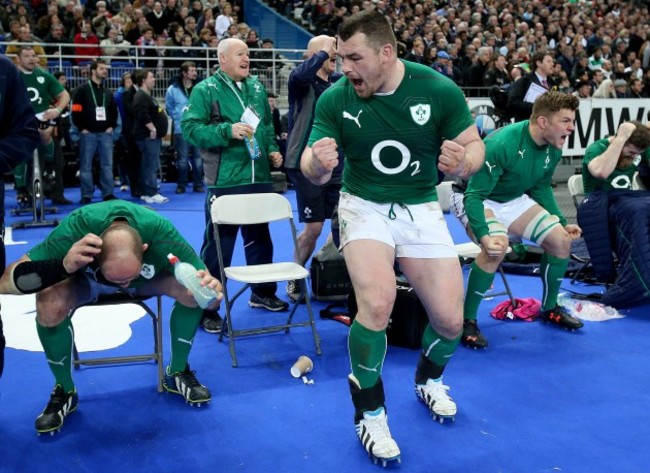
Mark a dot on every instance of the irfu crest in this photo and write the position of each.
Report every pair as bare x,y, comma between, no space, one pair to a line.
421,113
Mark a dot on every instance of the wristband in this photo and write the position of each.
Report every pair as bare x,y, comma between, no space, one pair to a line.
59,110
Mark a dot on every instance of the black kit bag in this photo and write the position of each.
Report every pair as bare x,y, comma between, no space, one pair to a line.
330,280
407,320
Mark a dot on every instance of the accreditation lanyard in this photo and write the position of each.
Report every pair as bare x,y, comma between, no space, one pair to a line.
100,112
251,142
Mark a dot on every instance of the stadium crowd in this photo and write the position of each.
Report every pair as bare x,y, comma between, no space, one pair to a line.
477,43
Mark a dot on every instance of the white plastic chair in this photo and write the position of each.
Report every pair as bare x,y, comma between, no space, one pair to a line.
249,209
576,189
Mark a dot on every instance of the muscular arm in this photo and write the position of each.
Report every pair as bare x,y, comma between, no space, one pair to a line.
474,152
317,166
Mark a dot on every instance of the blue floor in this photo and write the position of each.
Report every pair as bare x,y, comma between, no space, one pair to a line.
538,400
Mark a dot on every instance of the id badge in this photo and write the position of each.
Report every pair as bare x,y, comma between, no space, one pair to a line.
100,114
251,118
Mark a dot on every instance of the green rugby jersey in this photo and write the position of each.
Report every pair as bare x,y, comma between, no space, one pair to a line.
620,178
156,231
42,88
392,142
514,165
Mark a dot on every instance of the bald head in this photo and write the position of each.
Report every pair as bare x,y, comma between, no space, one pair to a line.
122,251
317,43
226,44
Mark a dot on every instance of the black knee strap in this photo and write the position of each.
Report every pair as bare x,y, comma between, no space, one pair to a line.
368,399
34,276
427,369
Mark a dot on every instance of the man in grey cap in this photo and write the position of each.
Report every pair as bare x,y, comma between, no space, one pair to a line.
620,86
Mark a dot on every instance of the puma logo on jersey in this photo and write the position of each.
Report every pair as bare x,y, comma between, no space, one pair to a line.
490,166
354,119
521,153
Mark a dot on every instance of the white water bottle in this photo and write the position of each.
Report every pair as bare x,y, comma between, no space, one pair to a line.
185,274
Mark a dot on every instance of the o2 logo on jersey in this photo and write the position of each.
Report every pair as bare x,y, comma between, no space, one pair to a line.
485,118
375,157
34,95
621,182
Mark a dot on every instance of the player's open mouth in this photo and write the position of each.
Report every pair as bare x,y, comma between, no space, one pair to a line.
357,82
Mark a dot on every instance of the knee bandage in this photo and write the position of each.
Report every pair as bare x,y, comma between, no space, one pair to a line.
495,228
540,227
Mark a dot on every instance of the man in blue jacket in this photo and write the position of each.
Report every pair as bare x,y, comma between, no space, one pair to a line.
19,138
315,203
176,100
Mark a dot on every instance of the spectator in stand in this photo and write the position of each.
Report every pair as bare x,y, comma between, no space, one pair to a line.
176,100
100,21
595,61
25,36
55,37
147,48
416,54
606,90
190,28
445,66
186,53
636,89
497,72
566,59
44,23
206,20
521,108
268,64
232,32
86,44
224,20
253,42
476,72
148,130
158,19
204,38
580,66
171,10
114,46
135,29
176,32
620,89
582,89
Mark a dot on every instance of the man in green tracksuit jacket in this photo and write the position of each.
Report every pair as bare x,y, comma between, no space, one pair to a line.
228,118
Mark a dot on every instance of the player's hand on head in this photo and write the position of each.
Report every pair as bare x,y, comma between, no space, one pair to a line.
82,253
625,130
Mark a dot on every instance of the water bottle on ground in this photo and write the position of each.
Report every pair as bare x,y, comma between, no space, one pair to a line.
185,274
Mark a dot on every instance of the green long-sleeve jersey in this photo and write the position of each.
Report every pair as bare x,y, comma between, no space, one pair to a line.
514,165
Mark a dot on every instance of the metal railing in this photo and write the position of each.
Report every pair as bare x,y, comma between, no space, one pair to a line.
64,57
